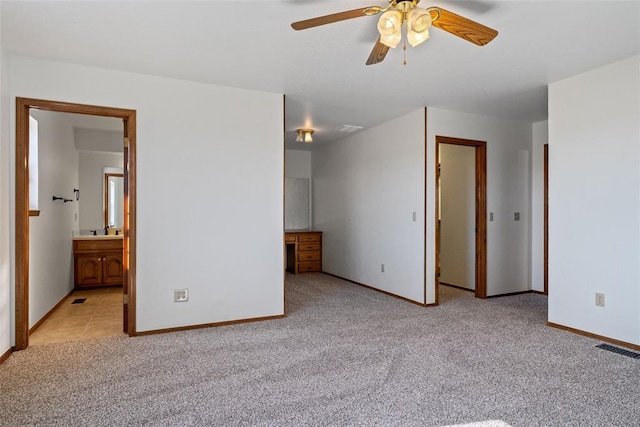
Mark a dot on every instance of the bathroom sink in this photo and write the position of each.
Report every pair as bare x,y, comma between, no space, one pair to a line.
99,236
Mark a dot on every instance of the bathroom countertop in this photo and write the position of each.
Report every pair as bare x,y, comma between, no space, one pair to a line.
99,237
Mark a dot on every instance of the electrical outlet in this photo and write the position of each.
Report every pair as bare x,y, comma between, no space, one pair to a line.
180,295
490,216
415,216
382,268
516,216
599,299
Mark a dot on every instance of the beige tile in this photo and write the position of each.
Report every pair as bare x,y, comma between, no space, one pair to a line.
66,321
99,316
106,318
83,293
103,332
62,316
104,325
112,302
56,335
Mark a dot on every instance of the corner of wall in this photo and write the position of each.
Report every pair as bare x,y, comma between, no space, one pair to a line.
6,309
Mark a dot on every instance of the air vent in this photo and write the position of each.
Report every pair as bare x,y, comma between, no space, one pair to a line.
619,350
79,301
348,128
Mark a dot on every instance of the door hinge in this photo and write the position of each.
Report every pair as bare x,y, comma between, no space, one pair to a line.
126,142
125,298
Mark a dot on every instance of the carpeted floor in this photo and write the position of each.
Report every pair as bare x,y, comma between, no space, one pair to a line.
345,355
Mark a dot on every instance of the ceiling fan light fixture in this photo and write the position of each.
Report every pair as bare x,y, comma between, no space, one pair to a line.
390,28
418,23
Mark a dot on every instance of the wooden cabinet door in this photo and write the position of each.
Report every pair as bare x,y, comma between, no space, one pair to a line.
88,270
112,269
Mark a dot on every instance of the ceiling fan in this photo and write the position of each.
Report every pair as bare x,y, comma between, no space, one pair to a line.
418,21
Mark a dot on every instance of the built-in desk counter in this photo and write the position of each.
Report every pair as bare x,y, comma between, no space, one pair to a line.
304,250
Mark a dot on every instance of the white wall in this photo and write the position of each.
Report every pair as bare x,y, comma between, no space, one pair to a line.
209,193
6,260
508,163
50,233
365,189
540,138
458,215
297,164
99,139
92,187
594,201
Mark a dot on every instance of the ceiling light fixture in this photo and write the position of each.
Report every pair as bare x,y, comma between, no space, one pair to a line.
418,22
304,135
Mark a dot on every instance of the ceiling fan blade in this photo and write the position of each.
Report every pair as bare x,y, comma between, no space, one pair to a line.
462,27
378,53
335,17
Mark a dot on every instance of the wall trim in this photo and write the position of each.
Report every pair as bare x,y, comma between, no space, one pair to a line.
49,313
6,355
210,325
594,336
380,290
510,294
458,287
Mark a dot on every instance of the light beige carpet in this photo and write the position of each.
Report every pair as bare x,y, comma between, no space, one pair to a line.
344,356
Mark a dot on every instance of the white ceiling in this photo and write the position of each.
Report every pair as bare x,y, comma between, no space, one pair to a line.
322,71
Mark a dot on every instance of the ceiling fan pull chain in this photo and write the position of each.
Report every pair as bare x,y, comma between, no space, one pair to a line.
404,51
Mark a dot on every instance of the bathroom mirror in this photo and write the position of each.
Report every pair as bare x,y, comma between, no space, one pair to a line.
114,200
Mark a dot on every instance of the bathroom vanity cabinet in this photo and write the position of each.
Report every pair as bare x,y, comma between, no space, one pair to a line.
98,261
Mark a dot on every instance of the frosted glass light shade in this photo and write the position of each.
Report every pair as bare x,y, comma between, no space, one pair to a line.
390,27
307,137
415,38
418,23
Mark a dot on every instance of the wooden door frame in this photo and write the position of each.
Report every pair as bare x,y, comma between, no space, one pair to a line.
546,219
481,211
23,105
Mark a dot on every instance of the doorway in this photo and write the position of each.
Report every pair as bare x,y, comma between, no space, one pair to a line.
480,225
23,106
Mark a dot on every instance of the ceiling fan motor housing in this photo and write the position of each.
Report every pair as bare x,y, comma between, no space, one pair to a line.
404,5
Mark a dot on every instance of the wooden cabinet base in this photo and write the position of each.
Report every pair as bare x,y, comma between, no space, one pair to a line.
304,251
98,262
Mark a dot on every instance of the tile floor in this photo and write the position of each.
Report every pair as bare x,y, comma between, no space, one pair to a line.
99,316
